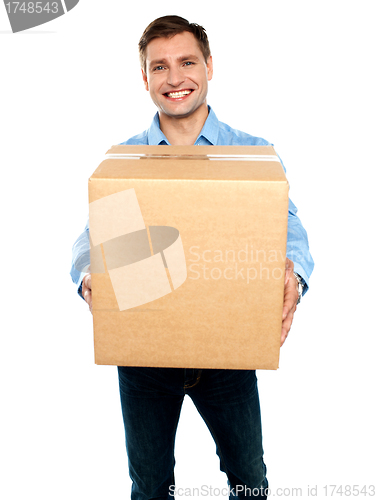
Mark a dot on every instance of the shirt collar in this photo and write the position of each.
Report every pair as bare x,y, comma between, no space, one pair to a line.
155,135
210,131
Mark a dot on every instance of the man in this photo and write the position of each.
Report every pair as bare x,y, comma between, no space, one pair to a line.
176,68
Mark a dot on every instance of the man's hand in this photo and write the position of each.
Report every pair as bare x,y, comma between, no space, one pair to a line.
290,299
86,290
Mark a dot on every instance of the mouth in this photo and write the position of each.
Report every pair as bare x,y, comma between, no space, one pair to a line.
179,94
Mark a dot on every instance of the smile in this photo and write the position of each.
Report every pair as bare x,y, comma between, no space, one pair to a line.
179,94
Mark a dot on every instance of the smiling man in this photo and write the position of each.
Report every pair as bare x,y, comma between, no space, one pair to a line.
176,67
176,74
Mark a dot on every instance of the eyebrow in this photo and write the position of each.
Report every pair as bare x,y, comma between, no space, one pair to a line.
189,57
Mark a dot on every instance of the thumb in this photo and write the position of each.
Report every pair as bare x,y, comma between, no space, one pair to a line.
88,281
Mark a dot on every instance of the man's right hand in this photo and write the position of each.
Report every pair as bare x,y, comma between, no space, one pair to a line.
86,290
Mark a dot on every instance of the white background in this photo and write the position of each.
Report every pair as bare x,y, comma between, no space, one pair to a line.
300,74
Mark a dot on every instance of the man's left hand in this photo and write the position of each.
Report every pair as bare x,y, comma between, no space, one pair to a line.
290,299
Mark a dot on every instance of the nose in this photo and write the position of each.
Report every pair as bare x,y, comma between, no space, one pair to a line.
175,77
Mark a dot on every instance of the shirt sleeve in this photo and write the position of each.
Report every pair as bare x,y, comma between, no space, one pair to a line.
80,258
298,245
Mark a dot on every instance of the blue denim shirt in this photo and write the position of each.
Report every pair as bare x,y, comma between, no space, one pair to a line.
213,133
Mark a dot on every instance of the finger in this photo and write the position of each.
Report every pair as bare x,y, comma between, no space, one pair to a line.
284,335
290,302
290,296
86,285
286,326
289,268
87,296
88,299
86,290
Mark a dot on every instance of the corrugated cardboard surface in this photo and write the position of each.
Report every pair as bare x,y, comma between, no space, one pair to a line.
218,271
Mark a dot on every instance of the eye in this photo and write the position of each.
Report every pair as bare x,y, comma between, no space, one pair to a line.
158,68
188,63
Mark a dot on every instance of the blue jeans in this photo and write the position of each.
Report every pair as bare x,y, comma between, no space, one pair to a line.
228,402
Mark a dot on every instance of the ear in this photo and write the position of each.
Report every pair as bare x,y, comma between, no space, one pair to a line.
145,80
209,68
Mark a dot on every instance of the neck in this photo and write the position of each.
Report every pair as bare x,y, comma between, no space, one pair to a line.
183,131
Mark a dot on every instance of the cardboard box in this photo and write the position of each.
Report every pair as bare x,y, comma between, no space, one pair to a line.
188,250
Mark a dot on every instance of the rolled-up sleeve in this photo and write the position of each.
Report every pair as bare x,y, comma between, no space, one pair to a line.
298,246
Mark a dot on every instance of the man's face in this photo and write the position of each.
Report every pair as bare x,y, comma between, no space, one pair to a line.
177,75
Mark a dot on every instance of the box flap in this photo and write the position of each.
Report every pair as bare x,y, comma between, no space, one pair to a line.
222,163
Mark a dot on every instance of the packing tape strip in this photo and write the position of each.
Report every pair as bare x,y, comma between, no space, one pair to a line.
135,156
122,244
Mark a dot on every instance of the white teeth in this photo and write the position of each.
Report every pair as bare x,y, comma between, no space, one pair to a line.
179,94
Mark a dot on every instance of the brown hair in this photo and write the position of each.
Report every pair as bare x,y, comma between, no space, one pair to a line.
167,27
